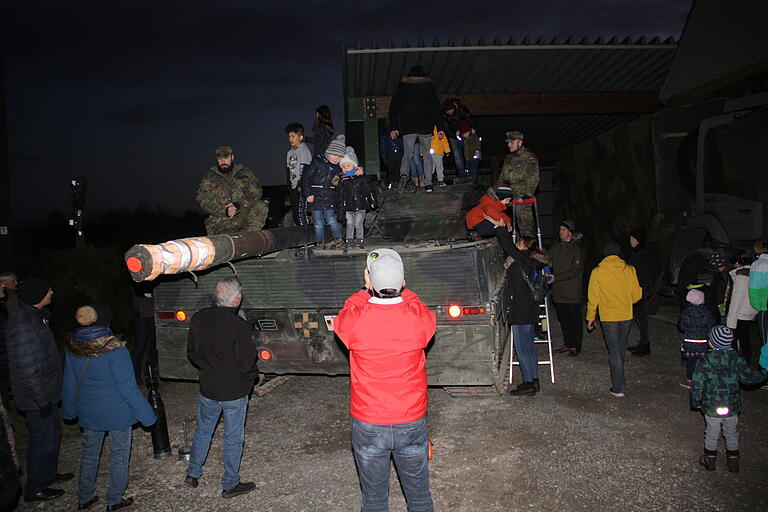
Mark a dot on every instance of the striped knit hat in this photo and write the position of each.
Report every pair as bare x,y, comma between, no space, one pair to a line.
720,336
337,146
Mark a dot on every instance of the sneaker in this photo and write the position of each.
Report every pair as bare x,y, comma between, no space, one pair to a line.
241,488
474,236
428,188
617,395
441,184
686,383
49,493
123,503
86,505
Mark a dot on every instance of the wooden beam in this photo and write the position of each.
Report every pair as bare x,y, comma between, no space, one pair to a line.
548,103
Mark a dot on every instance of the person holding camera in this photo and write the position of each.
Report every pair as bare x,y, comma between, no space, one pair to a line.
386,329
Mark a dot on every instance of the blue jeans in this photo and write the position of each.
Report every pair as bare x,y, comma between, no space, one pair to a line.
457,150
320,217
522,336
616,335
373,445
409,140
208,412
120,450
42,449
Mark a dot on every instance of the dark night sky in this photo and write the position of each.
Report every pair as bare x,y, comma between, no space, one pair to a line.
135,95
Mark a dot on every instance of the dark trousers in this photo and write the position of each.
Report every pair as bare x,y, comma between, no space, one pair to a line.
742,336
485,229
641,319
571,322
42,449
145,342
298,207
394,160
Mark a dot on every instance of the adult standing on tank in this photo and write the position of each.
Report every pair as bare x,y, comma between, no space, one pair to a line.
521,169
414,113
323,131
231,196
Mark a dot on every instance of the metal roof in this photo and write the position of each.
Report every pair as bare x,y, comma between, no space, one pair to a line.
544,65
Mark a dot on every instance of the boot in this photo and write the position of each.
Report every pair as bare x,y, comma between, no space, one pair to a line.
338,243
641,350
709,460
525,388
360,243
732,458
536,385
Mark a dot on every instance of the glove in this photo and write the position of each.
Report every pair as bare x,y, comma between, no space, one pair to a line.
764,357
45,410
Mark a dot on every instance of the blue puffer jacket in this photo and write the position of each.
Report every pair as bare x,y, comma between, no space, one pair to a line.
318,180
34,361
109,398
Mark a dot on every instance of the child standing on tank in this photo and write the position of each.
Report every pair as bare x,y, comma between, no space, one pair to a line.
715,389
472,153
695,322
319,186
355,197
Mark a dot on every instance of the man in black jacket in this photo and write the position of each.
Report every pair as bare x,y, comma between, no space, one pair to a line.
220,346
415,112
641,260
35,367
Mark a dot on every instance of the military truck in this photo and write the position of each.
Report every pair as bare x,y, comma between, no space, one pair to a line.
291,295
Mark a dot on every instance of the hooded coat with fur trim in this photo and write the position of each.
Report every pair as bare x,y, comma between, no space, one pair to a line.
108,397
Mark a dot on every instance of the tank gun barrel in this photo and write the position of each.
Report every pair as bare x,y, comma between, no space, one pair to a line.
145,262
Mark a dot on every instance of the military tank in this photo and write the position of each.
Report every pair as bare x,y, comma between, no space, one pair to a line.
292,291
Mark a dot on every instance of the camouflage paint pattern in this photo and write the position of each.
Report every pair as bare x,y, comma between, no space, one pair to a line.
521,169
239,186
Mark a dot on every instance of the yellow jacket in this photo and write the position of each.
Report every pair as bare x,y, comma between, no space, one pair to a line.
613,288
440,147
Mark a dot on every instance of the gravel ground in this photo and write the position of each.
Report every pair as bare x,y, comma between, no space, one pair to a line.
571,447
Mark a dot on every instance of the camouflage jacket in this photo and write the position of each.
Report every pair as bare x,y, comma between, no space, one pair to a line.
716,380
521,169
239,187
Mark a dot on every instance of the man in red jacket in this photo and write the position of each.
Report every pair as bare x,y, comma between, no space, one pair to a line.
386,329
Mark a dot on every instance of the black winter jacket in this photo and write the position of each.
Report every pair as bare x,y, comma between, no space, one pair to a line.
34,360
319,139
461,114
220,345
415,107
355,194
318,180
523,310
641,260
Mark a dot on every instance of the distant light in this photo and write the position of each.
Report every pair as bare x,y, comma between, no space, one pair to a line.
431,151
722,411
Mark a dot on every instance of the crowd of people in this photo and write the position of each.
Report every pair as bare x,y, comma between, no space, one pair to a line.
98,383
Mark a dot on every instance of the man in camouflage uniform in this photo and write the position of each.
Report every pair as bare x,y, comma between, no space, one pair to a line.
521,169
231,196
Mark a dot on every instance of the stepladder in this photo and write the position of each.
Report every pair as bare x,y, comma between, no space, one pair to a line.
542,332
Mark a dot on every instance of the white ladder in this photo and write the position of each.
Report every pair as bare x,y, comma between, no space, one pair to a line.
543,323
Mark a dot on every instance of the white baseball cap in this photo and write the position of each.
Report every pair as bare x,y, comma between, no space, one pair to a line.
386,269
